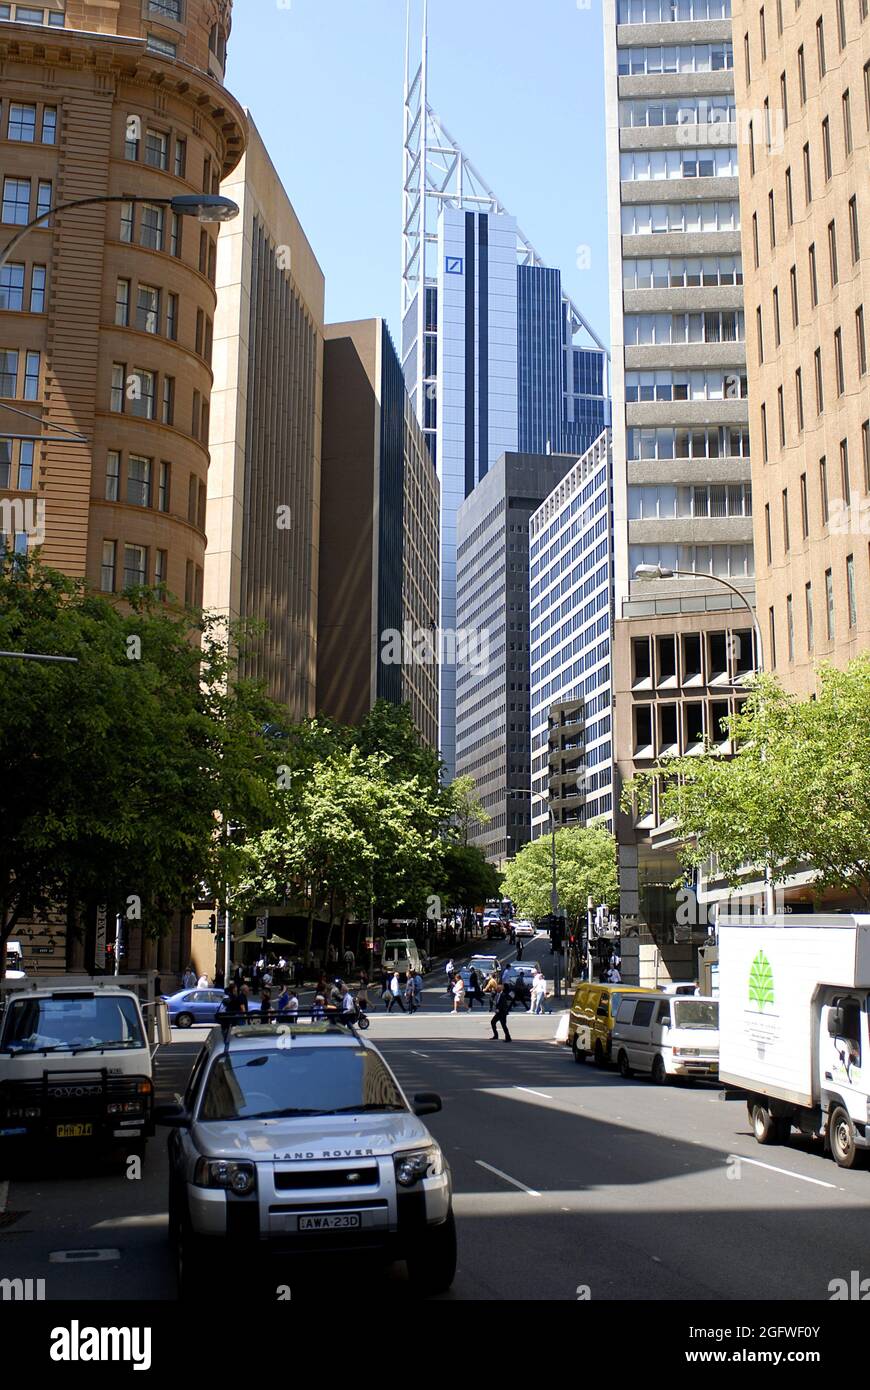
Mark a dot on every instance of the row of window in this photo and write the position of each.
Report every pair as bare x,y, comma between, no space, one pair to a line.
16,464
713,326
690,658
24,200
24,119
14,294
663,11
809,613
821,54
726,561
688,57
157,232
143,308
641,219
681,272
669,502
838,516
819,381
125,566
724,441
19,375
833,270
669,729
30,14
141,392
639,166
646,112
714,384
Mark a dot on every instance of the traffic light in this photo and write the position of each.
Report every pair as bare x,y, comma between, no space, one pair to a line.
212,924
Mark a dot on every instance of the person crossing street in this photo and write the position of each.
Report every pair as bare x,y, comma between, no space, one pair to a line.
500,1012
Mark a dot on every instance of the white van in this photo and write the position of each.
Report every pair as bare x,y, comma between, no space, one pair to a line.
402,954
671,1036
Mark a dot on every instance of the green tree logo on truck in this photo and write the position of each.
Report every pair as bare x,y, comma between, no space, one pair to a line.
761,981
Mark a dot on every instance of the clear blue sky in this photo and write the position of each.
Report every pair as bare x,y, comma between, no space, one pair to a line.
518,84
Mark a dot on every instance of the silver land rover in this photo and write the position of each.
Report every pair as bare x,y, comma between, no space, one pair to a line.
297,1140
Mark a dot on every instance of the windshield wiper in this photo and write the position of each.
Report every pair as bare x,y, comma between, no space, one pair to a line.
364,1109
279,1114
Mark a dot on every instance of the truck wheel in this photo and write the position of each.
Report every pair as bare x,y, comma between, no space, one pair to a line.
659,1075
625,1070
841,1137
579,1054
432,1263
766,1128
184,1021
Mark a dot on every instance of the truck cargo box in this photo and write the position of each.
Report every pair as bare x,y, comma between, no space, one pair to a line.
770,971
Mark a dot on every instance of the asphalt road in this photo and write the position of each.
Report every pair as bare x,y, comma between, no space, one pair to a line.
569,1183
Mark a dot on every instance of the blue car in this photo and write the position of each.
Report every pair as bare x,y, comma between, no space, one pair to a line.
190,1006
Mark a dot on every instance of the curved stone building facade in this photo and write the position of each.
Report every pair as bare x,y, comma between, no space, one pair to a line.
107,312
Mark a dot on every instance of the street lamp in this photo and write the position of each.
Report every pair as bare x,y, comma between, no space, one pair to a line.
663,572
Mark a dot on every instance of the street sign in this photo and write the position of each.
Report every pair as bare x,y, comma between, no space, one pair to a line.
263,927
100,938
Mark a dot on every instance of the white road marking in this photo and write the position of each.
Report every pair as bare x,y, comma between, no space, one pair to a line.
530,1191
419,1054
4,1196
817,1182
62,1257
530,1092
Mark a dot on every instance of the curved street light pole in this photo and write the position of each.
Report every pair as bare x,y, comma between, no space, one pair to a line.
663,572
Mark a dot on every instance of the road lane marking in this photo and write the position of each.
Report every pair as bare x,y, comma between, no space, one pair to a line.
530,1191
738,1158
63,1257
530,1092
419,1054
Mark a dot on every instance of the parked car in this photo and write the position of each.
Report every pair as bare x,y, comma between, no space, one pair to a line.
674,1036
681,987
592,1017
524,929
190,1006
294,1151
496,930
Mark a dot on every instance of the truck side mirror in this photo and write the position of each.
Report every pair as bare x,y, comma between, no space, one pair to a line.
836,1022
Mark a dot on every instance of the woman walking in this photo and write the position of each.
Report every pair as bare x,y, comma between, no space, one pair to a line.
458,995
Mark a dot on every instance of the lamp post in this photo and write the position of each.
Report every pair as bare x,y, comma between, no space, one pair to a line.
554,910
663,572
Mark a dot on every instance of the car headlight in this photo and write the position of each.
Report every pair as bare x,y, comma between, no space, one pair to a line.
240,1178
687,1052
412,1167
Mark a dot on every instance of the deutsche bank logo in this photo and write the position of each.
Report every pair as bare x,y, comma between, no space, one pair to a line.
454,265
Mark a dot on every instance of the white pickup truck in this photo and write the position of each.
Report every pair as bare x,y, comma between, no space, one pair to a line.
75,1065
794,1009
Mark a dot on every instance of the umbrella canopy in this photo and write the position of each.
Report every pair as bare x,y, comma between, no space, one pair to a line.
252,937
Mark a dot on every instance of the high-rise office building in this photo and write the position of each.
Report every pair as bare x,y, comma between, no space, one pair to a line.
571,595
378,599
106,312
681,464
496,356
803,84
492,687
263,515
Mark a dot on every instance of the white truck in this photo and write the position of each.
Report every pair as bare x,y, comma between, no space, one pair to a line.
75,1065
794,1007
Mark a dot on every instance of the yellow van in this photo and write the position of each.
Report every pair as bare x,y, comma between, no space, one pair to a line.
593,1014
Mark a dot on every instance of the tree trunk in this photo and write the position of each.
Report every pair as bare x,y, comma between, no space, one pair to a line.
309,937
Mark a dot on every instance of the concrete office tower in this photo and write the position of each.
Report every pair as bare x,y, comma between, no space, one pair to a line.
492,688
106,314
263,517
803,81
681,465
378,609
571,593
496,356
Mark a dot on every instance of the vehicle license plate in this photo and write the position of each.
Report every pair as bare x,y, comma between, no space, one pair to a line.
74,1131
337,1221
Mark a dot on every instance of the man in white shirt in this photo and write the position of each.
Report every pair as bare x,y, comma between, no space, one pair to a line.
348,1006
202,982
395,995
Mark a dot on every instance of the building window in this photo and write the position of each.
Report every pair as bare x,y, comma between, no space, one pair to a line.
113,475
759,333
792,278
8,374
196,410
751,135
771,217
25,465
786,534
811,626
820,385
764,451
157,149
180,165
138,481
829,603
49,125
122,304
850,589
781,411
841,24
127,222
777,336
169,400
783,97
160,568
169,9
814,282
861,340
747,67
845,479
16,201
762,34
148,309
107,568
865,450
789,615
142,402
43,198
135,566
188,584
802,75
799,398
847,122
771,624
172,316
22,123
838,361
162,46
755,239
854,239
12,287
132,137
192,498
823,488
805,513
119,381
767,533
163,487
151,227
820,46
176,224
808,175
789,199
37,289
31,376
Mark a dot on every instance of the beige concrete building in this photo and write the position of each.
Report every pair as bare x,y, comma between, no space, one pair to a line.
802,76
379,568
262,519
106,313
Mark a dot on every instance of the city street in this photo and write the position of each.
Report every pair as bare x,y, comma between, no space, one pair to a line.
570,1183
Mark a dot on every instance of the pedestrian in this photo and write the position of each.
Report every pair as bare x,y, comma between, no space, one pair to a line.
245,998
202,982
231,1008
298,973
418,989
321,986
282,1003
188,980
318,1008
336,992
395,994
362,994
500,1012
458,995
474,990
449,972
519,948
490,988
410,994
348,961
238,977
349,1010
539,990
265,1003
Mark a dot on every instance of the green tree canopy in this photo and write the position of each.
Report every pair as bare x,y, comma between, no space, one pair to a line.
796,792
465,807
585,866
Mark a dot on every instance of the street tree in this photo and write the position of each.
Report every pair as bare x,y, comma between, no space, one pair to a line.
585,867
465,807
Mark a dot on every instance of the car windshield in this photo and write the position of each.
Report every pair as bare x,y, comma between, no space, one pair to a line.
695,1013
83,1023
298,1080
